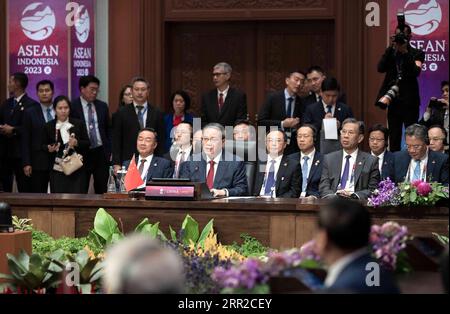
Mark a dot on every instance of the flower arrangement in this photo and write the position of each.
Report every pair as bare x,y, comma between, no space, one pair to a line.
388,242
252,275
407,193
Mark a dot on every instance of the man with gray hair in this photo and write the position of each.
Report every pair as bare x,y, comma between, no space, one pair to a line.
141,265
418,162
349,172
223,104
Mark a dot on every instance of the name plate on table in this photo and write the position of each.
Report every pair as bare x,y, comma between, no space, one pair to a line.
170,192
176,190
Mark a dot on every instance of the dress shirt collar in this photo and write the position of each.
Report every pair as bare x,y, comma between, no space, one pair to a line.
310,155
224,92
145,105
354,154
216,159
19,98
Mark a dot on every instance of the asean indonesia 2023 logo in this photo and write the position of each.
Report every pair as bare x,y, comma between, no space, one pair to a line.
424,17
38,21
82,24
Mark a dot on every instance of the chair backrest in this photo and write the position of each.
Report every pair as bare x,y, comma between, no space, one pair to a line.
250,171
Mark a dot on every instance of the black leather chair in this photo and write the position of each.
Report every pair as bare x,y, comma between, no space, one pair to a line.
246,151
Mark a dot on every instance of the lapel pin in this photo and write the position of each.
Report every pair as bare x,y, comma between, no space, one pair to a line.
433,162
339,109
285,164
360,163
282,178
155,164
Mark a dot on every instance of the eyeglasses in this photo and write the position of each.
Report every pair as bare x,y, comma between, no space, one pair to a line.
413,147
344,132
211,139
373,139
278,141
219,73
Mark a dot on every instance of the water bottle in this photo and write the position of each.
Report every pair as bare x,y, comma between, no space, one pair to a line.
123,172
111,188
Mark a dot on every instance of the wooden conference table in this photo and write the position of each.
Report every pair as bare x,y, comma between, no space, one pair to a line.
277,223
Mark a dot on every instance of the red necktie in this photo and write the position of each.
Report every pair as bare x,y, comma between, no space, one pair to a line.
220,101
210,177
141,166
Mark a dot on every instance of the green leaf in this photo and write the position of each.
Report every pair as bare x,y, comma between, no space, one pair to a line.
154,230
116,237
86,288
190,227
310,264
82,258
162,236
105,225
173,234
413,196
205,232
141,225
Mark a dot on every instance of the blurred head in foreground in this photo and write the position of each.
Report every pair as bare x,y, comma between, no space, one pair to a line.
141,265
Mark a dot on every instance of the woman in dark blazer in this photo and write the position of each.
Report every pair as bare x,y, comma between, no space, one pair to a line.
181,103
60,134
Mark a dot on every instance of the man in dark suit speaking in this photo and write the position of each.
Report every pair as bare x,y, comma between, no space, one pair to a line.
224,104
349,172
223,173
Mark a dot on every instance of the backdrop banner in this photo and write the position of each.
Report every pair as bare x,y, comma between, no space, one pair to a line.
38,42
82,38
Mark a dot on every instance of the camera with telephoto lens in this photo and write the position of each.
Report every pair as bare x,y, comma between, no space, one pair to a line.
390,95
400,38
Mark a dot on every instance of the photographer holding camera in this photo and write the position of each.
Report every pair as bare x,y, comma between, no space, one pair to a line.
400,90
437,110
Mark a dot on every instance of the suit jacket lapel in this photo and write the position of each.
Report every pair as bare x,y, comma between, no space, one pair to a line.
153,165
221,170
359,164
133,114
214,101
336,171
430,167
314,166
79,109
281,174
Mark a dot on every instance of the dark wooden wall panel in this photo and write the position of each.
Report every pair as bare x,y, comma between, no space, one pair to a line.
193,10
126,39
260,53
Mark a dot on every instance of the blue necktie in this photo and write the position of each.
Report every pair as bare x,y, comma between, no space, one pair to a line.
329,109
49,115
416,175
344,177
305,173
92,131
289,107
141,116
270,181
14,103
